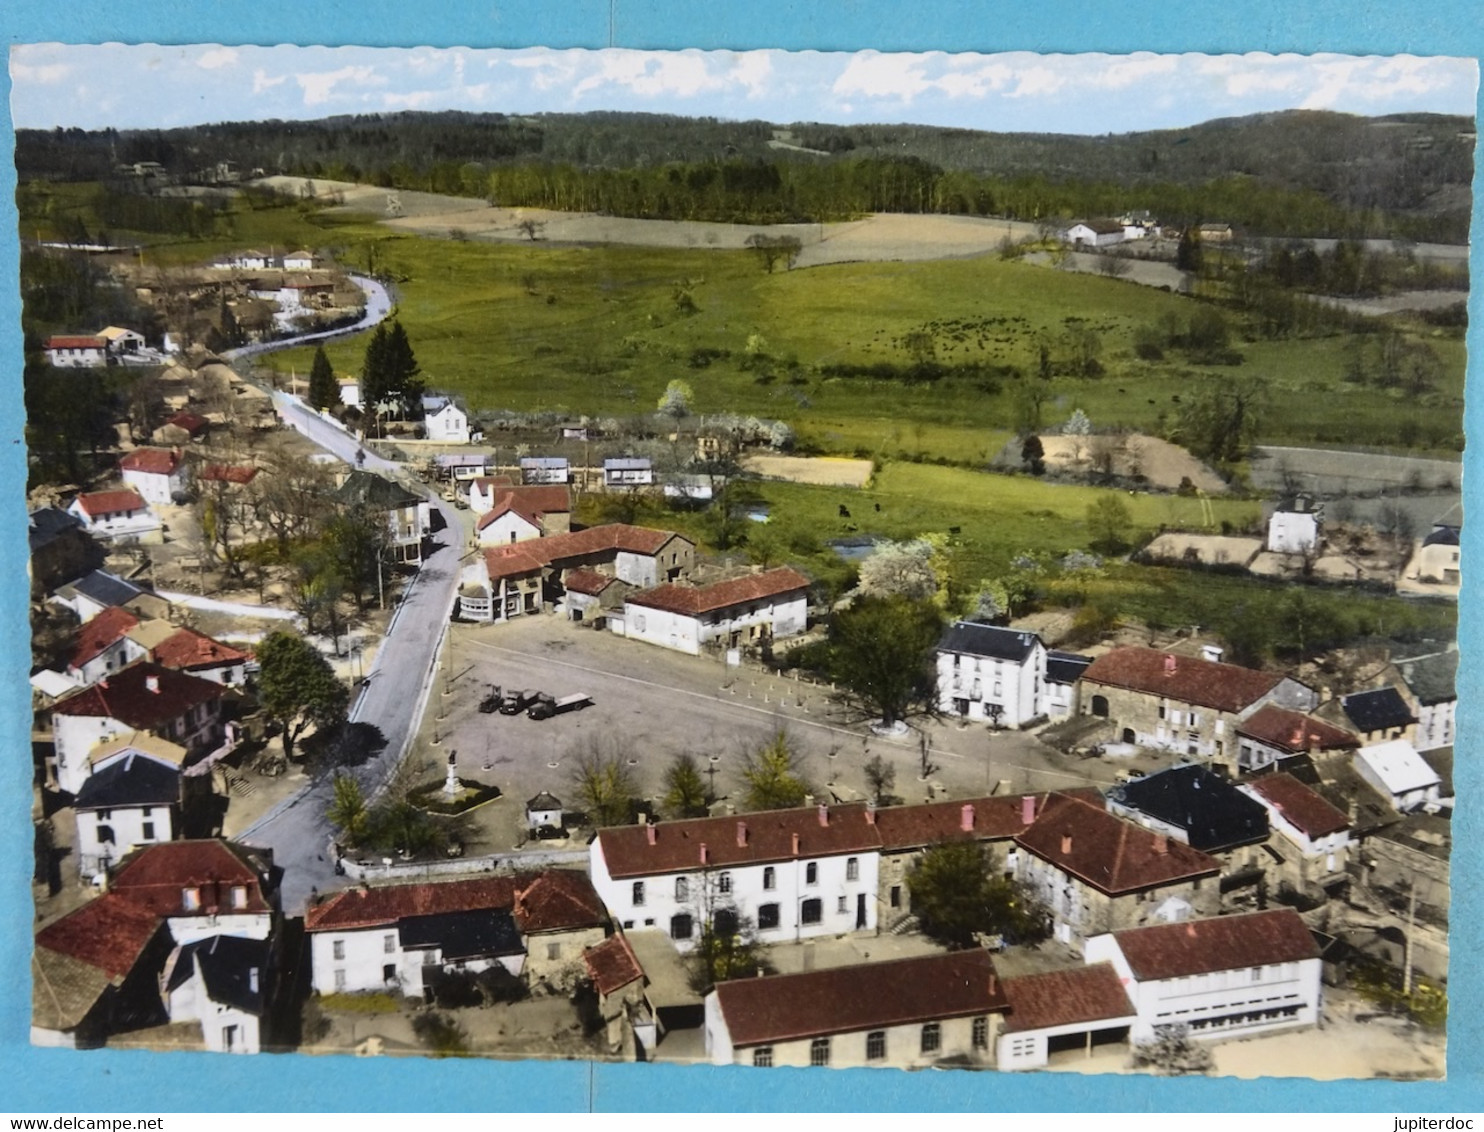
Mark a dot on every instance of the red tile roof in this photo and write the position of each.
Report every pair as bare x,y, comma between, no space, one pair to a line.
186,649
1185,679
507,506
1112,855
1301,807
871,996
126,696
585,581
155,878
537,498
189,422
154,461
75,342
1294,732
109,933
536,554
1198,947
747,839
911,827
110,502
558,900
94,636
696,600
1063,998
612,964
228,473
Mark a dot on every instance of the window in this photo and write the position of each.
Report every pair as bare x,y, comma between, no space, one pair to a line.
811,911
628,925
638,894
896,896
852,868
190,900
682,888
239,896
840,905
981,1032
339,980
769,878
932,1037
811,873
724,922
681,926
762,1057
876,1045
767,916
146,811
389,973
339,949
1256,974
105,835
819,1051
147,831
389,944
724,883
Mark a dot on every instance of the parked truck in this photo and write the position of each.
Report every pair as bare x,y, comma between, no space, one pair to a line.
546,706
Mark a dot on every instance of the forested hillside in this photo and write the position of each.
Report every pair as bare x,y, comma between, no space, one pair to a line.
1300,173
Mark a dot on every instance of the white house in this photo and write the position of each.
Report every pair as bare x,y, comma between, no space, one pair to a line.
112,515
1430,684
131,799
790,873
222,983
507,523
409,518
1293,527
298,261
1087,1005
145,697
545,469
91,594
445,421
1317,832
744,611
404,936
1059,691
76,351
157,474
350,391
186,650
1438,557
122,343
544,810
1229,976
900,1014
1094,233
1400,774
628,471
102,645
991,673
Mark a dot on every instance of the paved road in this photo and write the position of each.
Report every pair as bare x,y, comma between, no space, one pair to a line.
378,306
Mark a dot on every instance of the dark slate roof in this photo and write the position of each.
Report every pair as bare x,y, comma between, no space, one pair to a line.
544,801
1431,678
130,781
227,965
373,490
50,523
1442,536
1377,710
1065,667
1214,814
977,639
106,588
464,935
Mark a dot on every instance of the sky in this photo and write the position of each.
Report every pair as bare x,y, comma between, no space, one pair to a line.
150,86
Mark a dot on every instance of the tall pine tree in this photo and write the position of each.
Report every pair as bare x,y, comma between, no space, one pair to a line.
324,390
403,376
375,379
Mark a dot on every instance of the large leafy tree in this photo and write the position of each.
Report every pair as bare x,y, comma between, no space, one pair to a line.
297,687
879,653
957,898
772,777
324,391
728,950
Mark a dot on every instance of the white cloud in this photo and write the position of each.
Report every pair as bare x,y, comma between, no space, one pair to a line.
261,81
46,73
408,100
1037,82
873,75
654,74
1125,72
217,57
318,86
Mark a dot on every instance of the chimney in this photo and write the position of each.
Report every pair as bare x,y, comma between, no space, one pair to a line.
1297,740
652,833
966,817
1066,844
152,684
1170,665
824,815
1027,809
741,835
1161,844
870,813
705,857
993,983
796,845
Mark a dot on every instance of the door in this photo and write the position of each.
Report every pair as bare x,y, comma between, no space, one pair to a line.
229,1039
860,911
